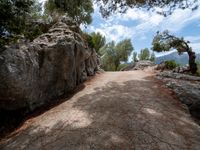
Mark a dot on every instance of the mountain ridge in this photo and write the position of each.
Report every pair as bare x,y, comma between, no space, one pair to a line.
180,59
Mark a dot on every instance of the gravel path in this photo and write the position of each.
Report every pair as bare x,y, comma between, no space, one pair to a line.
115,110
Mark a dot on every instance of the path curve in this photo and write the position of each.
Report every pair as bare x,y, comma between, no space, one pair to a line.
115,110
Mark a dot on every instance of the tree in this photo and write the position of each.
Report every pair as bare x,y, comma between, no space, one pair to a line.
166,42
21,20
113,54
144,54
108,55
135,57
152,57
107,7
14,17
98,40
79,10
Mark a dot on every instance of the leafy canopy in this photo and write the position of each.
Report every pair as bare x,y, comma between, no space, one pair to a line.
113,54
20,19
152,57
165,42
107,7
79,10
99,40
135,57
144,54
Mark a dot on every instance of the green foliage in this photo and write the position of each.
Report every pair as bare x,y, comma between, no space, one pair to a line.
165,42
98,40
113,54
21,19
144,54
198,68
124,49
88,39
79,10
171,64
135,57
152,57
107,7
13,18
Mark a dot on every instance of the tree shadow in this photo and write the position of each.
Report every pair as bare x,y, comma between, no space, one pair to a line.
112,118
13,120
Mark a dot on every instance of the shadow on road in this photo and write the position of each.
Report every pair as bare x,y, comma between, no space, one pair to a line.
137,114
12,120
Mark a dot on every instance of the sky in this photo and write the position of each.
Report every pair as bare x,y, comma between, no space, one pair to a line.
141,26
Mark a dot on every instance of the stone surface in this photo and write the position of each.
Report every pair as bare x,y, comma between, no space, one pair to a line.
32,74
181,69
115,111
140,65
186,87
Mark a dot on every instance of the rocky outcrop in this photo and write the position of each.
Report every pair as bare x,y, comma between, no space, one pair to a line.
140,65
180,69
32,74
186,87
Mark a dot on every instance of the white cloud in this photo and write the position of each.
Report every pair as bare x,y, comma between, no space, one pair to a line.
193,38
195,47
143,22
194,42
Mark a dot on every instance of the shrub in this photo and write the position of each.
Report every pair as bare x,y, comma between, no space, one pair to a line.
198,68
171,64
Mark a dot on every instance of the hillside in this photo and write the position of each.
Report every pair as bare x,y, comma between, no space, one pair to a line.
180,59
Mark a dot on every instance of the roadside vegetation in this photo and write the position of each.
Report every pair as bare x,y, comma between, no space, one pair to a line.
171,64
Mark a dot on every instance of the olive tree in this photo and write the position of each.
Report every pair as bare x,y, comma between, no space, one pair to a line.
16,15
99,41
144,54
79,10
165,42
113,54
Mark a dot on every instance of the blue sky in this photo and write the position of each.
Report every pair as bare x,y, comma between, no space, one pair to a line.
141,25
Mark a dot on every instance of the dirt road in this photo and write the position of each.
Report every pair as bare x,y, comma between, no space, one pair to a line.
115,110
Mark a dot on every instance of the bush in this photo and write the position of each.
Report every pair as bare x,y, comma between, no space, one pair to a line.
171,64
198,68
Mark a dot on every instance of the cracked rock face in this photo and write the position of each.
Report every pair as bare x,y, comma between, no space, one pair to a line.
32,74
186,87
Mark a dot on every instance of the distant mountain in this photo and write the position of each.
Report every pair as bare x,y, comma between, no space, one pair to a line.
180,59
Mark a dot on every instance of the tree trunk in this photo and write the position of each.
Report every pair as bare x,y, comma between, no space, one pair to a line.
192,63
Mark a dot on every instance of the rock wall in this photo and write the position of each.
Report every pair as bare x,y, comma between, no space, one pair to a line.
32,74
186,87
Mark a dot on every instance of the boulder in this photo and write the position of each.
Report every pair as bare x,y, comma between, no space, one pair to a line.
140,65
32,74
181,69
186,87
161,66
129,67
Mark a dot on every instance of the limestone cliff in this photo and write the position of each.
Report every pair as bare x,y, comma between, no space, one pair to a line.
32,74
